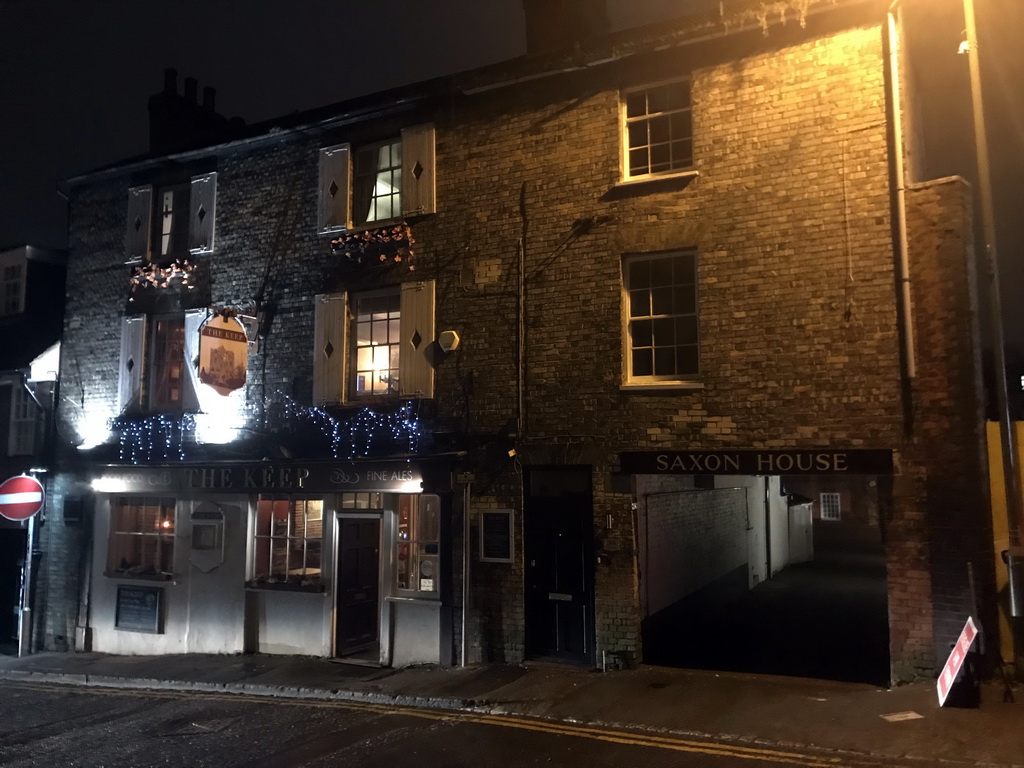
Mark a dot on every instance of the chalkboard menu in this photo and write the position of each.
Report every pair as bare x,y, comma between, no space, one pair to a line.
138,608
496,535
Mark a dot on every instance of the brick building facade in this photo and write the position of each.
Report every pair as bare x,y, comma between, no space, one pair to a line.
726,284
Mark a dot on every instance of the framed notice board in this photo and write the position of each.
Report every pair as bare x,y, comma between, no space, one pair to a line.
139,609
496,537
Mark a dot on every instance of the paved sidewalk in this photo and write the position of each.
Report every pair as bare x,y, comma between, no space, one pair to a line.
755,708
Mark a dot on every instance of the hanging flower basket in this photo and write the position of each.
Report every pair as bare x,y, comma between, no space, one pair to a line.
384,245
176,275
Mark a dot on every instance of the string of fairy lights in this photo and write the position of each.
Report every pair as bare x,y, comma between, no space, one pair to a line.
172,437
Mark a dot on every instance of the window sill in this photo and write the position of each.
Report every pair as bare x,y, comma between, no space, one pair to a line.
410,599
661,387
651,184
282,586
138,576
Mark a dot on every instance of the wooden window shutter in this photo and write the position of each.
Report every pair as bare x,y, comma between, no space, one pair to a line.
415,373
329,350
418,170
201,209
133,345
194,319
335,182
140,212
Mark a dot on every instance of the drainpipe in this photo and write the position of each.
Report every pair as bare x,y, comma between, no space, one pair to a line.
465,567
899,173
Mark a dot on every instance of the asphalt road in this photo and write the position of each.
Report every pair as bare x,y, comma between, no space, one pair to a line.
46,725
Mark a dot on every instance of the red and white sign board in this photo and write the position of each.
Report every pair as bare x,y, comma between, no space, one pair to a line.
20,497
956,660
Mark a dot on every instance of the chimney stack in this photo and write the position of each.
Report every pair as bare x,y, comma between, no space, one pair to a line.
178,122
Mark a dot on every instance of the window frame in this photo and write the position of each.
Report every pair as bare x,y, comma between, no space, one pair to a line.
333,347
415,173
394,347
288,578
409,506
24,416
164,537
830,506
13,279
625,168
176,231
360,174
632,380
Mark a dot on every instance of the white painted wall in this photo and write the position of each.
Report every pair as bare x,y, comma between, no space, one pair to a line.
689,538
778,515
801,535
203,611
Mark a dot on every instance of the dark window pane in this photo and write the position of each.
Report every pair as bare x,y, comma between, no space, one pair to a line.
681,126
665,361
638,162
685,268
661,301
659,130
638,135
661,272
642,362
639,303
659,99
641,333
661,157
636,104
684,300
639,274
686,330
664,332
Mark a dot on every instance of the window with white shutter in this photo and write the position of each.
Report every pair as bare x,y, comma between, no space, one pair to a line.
155,372
378,182
171,221
373,344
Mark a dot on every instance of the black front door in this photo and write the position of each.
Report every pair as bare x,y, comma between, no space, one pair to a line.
558,546
357,615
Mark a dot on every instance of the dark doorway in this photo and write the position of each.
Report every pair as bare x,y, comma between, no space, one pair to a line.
558,547
357,618
12,559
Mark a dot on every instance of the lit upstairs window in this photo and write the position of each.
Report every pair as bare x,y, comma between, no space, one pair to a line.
370,183
377,183
657,130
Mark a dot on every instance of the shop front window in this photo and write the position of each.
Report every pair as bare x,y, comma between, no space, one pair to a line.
288,541
417,560
141,537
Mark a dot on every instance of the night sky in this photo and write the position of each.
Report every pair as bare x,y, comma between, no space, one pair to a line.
75,78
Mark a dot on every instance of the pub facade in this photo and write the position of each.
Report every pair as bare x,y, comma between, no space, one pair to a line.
506,365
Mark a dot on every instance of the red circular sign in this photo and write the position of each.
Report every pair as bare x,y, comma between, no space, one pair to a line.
20,497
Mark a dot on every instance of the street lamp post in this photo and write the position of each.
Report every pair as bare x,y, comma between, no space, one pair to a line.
1011,477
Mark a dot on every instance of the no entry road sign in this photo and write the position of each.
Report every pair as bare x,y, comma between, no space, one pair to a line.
20,497
956,660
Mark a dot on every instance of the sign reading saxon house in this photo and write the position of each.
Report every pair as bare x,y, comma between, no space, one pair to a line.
333,477
827,461
223,354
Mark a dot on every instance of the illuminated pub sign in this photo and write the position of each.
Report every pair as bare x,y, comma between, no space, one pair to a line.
311,477
827,461
223,354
